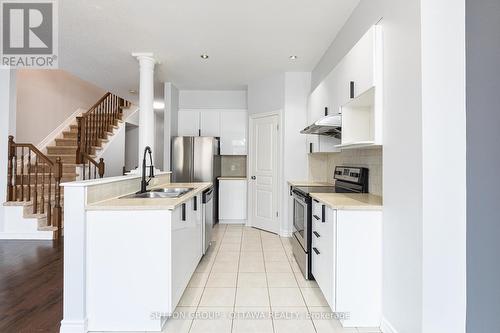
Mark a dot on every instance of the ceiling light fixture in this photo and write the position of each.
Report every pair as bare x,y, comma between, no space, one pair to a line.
204,56
293,57
132,91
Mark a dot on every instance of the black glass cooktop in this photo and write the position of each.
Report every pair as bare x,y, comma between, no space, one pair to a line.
317,189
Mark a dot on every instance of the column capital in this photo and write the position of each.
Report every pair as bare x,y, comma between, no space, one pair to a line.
145,57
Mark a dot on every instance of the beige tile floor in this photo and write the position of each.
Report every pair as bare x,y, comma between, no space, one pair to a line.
246,275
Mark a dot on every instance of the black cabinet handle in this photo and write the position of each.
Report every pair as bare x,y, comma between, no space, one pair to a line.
316,250
199,132
183,212
351,89
323,219
316,234
316,217
326,111
310,147
195,203
316,201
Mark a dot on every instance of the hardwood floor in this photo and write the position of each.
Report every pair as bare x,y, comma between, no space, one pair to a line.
31,285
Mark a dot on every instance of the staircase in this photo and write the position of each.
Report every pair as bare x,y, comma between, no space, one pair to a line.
34,195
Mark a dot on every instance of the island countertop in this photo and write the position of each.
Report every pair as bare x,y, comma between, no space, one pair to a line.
349,201
150,203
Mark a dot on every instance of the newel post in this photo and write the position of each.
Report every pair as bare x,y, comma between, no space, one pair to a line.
101,167
10,169
57,211
80,140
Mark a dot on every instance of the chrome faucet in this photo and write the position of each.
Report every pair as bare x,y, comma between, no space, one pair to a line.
145,183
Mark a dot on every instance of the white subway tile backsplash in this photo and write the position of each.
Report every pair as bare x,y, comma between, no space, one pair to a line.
322,166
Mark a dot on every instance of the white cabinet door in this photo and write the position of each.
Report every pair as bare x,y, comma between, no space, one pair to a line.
359,267
232,201
359,64
233,132
189,123
186,245
210,123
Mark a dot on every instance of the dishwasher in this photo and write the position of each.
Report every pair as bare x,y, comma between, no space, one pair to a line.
208,217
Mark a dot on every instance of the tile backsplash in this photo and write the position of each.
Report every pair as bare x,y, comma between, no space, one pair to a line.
233,166
322,165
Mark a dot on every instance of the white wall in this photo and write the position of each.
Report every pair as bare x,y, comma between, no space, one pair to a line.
114,153
444,166
159,139
402,154
131,146
7,127
297,88
170,121
45,98
267,94
212,99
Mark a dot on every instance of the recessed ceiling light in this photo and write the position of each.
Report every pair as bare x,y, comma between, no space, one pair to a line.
293,57
204,56
132,91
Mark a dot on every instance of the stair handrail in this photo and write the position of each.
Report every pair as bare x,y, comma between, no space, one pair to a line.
16,189
93,126
89,162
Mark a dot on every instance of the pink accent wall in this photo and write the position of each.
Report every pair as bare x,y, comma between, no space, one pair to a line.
46,98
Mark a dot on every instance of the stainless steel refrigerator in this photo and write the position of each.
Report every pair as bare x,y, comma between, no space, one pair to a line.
197,159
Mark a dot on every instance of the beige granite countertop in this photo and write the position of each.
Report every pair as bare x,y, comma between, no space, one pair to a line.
308,183
231,178
349,201
150,204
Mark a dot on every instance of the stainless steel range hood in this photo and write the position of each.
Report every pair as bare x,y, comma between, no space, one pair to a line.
329,126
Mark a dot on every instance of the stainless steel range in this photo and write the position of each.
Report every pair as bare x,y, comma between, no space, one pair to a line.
347,180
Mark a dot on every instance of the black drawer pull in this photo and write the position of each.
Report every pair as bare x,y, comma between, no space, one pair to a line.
316,250
316,201
183,212
195,203
323,213
316,234
316,217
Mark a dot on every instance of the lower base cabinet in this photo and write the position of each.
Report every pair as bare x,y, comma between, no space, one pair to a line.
232,201
347,262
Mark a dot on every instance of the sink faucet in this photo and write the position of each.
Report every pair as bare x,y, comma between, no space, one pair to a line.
145,183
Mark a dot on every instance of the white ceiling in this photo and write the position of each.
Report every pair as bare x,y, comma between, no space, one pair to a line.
246,39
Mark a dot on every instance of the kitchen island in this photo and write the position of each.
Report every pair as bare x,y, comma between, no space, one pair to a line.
127,261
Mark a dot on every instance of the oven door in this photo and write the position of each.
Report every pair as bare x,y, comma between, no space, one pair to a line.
300,217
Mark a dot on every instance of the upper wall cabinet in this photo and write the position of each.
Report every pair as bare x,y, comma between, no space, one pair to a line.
233,136
189,123
362,112
229,125
354,89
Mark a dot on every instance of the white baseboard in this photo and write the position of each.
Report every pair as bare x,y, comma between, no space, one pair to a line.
73,326
386,327
39,235
233,222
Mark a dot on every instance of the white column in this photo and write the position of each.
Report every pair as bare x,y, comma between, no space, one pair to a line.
146,98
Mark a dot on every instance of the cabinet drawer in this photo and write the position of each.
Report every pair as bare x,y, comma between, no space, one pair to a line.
318,211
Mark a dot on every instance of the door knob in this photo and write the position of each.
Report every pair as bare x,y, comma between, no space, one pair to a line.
253,177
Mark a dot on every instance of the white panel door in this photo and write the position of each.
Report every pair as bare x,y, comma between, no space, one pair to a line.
264,173
233,132
189,123
210,123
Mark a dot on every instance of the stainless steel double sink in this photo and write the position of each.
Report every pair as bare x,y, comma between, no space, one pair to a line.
167,192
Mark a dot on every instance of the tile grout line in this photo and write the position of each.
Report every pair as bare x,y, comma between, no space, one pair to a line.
300,289
267,284
237,276
209,273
